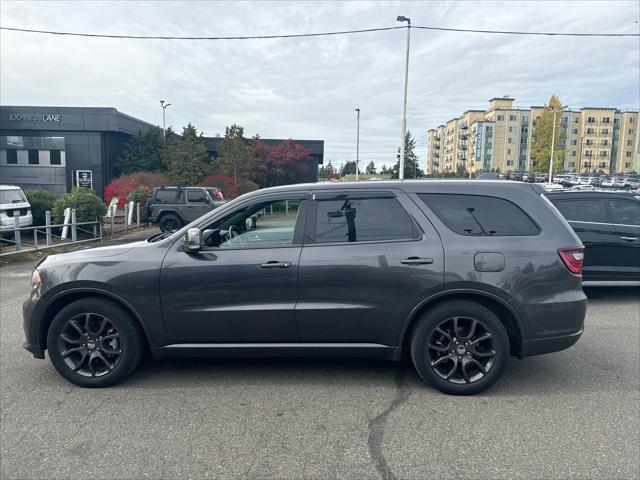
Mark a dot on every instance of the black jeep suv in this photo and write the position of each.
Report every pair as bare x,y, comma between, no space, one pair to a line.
173,207
460,274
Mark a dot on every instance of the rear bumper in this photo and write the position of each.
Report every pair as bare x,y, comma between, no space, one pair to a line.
549,344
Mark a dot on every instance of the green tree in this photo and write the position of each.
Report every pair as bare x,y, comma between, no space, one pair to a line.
411,164
542,136
236,157
349,168
371,169
187,157
86,203
144,152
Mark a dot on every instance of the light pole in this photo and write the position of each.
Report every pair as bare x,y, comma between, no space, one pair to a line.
404,103
164,110
553,139
358,144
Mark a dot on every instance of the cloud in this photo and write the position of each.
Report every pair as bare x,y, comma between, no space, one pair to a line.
308,88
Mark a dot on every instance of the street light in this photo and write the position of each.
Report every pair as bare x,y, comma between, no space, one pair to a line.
358,144
164,109
402,18
553,138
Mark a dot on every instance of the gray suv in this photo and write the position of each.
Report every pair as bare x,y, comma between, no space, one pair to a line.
173,207
458,274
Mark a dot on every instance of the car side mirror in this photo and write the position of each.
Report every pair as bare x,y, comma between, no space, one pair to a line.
192,240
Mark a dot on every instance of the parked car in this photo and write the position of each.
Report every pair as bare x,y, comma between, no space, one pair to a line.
173,207
343,269
607,182
631,182
608,223
13,204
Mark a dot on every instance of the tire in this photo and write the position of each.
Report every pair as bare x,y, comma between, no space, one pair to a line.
474,364
170,223
94,342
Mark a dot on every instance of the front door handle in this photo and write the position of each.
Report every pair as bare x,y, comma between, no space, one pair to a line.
629,239
417,261
275,264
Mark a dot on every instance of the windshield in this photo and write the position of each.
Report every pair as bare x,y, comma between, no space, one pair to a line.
12,196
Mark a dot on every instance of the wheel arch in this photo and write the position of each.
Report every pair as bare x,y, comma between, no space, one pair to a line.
165,212
504,311
63,299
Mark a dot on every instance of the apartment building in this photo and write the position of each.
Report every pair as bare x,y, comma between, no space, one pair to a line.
499,138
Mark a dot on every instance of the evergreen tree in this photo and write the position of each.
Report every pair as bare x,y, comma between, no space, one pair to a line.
187,157
371,169
236,158
143,152
411,164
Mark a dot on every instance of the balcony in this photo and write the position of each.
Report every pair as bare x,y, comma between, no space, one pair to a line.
463,125
436,154
462,156
436,145
462,146
463,135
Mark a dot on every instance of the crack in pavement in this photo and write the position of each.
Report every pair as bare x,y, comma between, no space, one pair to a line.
378,423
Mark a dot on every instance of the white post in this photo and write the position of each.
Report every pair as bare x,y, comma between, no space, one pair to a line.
404,107
553,139
130,217
358,144
126,217
65,228
137,214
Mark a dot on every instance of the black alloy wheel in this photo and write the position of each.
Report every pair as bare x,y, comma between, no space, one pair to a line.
90,345
95,342
460,347
461,350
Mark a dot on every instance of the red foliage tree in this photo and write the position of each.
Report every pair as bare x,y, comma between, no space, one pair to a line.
281,164
122,186
226,184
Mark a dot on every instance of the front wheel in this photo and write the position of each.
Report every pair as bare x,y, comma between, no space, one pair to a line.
460,347
94,342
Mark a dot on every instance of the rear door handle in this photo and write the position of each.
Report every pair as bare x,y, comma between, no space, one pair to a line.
629,239
417,261
275,264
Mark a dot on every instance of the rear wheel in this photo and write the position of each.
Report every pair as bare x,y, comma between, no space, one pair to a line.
170,223
460,347
94,342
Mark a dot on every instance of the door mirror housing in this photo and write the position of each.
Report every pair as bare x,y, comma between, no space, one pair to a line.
192,240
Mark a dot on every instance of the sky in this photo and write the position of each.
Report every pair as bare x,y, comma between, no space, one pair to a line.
308,88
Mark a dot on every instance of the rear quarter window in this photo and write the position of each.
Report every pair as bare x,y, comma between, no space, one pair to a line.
168,196
582,210
478,215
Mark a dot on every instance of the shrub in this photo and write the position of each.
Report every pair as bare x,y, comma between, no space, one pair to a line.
140,195
122,186
41,201
226,185
87,204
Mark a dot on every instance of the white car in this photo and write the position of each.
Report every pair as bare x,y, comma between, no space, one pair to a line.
13,204
607,182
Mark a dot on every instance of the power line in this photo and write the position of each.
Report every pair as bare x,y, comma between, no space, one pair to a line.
166,37
320,34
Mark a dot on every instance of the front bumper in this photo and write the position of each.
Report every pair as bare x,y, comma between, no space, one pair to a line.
33,342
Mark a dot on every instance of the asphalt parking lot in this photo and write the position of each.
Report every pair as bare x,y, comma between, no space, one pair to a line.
572,414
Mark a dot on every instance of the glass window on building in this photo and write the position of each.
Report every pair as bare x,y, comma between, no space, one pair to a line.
500,118
574,131
631,131
12,157
591,119
606,120
605,131
34,157
55,157
512,118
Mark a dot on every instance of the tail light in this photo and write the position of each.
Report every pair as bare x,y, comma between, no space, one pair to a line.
572,258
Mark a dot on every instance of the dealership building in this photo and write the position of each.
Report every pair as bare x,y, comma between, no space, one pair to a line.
56,148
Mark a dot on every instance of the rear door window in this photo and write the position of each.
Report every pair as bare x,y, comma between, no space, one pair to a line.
625,212
477,215
582,210
362,218
168,196
196,196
